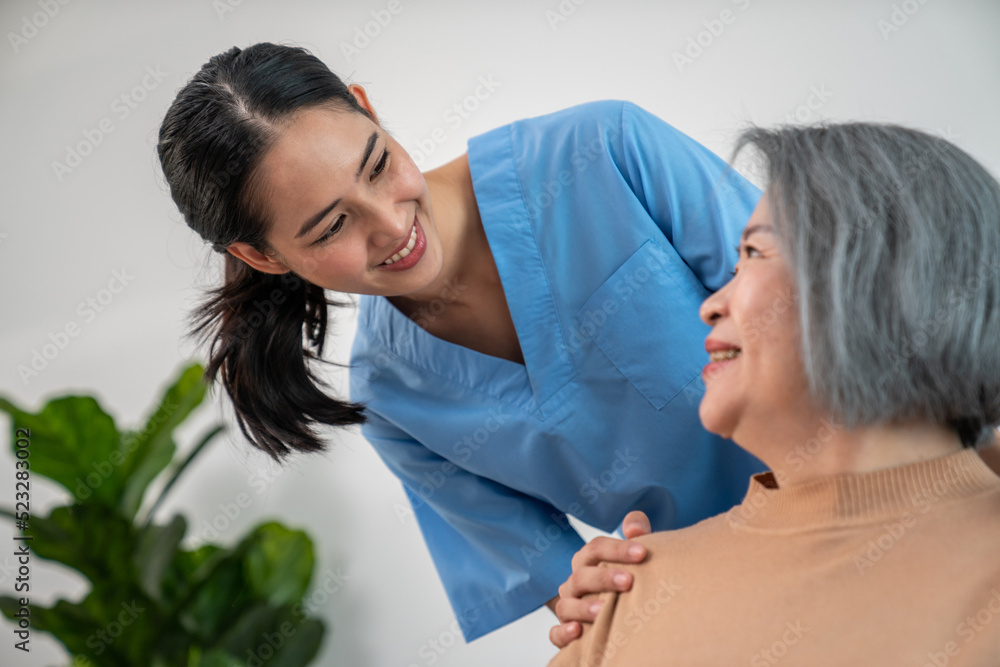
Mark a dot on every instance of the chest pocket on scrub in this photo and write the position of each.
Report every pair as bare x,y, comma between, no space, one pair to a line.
644,318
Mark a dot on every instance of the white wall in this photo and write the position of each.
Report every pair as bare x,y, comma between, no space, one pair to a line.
61,236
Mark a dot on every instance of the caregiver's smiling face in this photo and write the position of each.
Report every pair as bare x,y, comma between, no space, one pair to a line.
755,375
347,208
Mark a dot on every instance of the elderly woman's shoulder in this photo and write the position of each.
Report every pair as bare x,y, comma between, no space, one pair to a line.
682,540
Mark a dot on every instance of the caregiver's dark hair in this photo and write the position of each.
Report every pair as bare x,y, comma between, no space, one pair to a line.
893,237
211,144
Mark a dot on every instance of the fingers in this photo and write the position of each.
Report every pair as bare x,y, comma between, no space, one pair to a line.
562,635
574,609
590,580
609,550
636,524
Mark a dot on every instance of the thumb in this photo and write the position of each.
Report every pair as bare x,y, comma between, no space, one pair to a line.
635,524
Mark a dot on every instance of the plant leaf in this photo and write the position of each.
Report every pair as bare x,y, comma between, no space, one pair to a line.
180,468
216,658
221,596
155,551
274,637
90,538
301,646
74,625
148,451
155,460
279,563
73,442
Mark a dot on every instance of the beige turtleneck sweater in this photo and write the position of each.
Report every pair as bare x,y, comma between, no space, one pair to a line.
893,567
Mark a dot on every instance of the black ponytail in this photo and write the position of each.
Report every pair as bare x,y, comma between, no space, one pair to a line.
263,330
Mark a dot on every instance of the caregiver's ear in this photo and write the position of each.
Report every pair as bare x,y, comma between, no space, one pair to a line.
256,259
362,97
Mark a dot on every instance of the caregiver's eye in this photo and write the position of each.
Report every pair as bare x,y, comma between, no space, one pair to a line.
332,231
380,165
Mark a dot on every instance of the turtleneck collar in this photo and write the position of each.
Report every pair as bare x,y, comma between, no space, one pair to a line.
857,499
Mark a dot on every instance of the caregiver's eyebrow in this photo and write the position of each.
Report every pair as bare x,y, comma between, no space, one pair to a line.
318,218
368,153
755,228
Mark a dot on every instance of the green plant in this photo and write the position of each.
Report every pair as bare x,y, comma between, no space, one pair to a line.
153,603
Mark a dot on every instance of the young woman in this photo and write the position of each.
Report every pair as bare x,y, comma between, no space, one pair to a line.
528,338
873,538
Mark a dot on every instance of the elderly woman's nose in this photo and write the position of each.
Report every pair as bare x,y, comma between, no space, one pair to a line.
715,305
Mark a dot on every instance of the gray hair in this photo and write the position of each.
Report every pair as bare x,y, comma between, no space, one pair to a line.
893,238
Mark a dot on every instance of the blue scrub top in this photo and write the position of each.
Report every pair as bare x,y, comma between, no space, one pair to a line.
609,228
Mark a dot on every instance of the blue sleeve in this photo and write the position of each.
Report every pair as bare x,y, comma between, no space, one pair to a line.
499,553
699,202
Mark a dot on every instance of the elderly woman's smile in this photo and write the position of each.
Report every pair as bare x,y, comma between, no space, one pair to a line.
754,361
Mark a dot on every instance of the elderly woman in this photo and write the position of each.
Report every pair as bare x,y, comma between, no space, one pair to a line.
856,351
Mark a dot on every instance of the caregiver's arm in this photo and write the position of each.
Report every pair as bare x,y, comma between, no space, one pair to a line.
462,518
588,577
699,202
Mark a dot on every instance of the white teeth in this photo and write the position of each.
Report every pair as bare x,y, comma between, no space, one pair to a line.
405,251
723,355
